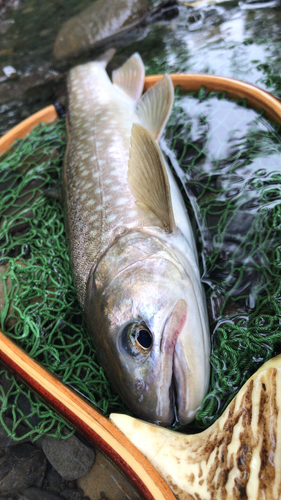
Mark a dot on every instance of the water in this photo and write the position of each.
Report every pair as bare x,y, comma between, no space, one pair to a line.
241,40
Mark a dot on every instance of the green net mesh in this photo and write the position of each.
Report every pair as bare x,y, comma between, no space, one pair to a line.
228,160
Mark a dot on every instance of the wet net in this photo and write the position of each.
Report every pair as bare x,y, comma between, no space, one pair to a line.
228,162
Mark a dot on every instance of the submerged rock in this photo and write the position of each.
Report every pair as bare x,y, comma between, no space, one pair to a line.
21,466
53,481
70,457
96,24
38,494
18,432
105,481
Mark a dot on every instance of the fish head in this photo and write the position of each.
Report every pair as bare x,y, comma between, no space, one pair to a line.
145,322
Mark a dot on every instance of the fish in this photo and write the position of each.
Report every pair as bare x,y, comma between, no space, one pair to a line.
239,456
97,24
131,244
108,22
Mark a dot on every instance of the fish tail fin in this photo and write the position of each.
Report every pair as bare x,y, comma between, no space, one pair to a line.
106,57
130,77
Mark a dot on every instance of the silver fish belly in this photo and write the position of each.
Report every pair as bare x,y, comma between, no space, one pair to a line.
131,245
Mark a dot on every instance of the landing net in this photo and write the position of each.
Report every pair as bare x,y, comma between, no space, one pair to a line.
229,164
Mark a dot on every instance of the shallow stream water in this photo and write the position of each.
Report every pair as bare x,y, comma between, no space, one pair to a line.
236,39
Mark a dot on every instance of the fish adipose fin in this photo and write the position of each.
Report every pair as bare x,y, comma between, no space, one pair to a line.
155,106
106,57
147,176
130,77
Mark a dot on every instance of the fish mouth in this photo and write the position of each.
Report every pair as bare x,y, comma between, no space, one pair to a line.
187,390
179,369
179,389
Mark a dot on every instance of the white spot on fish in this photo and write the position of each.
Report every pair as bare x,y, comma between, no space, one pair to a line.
121,201
97,190
86,172
93,218
92,202
98,207
84,196
93,233
106,198
111,218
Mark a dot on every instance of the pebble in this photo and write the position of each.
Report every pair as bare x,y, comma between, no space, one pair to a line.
53,481
19,431
38,494
21,466
76,494
70,457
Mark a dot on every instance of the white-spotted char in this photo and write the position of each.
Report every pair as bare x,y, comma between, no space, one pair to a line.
131,245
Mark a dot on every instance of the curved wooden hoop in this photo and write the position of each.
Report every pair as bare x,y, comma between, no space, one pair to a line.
81,414
45,115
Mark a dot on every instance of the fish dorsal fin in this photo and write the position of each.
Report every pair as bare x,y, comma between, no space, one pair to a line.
155,106
130,77
147,176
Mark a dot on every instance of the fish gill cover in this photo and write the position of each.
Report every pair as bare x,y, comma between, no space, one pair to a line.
228,159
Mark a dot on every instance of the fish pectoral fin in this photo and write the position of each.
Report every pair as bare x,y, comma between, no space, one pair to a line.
130,77
147,176
155,106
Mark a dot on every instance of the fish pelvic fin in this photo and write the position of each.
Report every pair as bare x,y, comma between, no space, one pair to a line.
130,77
155,106
147,176
106,57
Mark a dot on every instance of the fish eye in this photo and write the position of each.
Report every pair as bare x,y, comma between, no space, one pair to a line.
144,338
137,339
140,338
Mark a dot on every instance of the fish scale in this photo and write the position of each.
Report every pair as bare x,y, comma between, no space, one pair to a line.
95,170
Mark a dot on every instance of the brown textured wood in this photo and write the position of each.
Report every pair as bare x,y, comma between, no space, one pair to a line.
45,115
90,423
